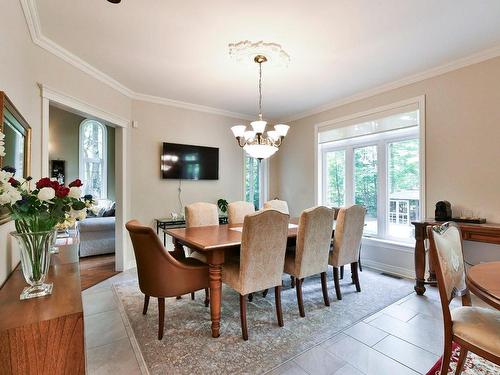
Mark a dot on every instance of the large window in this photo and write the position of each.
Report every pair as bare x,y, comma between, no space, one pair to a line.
255,179
379,170
93,158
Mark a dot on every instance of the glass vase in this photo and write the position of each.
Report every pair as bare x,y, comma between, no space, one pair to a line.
35,249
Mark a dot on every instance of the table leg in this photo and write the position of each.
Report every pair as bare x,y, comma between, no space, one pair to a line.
164,239
420,258
215,261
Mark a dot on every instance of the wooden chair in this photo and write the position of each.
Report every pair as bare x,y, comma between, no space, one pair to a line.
261,261
475,329
200,214
346,241
312,248
278,205
160,274
236,211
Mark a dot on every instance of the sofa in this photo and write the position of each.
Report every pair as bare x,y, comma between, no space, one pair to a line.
97,236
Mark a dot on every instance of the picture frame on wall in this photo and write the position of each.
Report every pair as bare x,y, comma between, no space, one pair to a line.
57,170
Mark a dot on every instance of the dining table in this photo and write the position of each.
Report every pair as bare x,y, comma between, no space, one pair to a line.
216,242
484,281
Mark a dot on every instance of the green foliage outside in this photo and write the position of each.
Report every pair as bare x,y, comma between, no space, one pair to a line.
252,181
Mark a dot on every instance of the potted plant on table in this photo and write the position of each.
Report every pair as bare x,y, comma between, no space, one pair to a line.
37,214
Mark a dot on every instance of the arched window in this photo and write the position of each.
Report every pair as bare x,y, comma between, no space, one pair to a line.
93,158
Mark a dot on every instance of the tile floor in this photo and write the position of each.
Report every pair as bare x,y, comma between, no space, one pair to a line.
404,338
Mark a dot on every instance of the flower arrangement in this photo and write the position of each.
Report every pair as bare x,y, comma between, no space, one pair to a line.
50,205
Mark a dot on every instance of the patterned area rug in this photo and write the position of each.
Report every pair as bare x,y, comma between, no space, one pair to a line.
188,348
474,365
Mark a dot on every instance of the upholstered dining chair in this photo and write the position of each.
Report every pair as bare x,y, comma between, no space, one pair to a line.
346,241
262,256
278,205
236,211
475,329
312,248
160,274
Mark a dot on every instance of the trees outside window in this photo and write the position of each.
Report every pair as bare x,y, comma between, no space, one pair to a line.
93,155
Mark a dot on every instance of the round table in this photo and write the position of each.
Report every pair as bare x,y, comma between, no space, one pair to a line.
484,281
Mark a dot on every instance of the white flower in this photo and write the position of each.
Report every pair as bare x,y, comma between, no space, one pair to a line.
46,194
2,144
75,192
9,195
5,176
78,214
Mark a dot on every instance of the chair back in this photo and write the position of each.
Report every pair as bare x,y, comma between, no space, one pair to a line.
201,214
348,234
156,268
263,246
314,238
277,205
236,211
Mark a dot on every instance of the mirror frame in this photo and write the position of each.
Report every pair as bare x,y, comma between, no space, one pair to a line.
6,103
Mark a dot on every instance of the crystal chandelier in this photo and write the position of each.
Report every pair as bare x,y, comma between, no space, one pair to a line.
255,143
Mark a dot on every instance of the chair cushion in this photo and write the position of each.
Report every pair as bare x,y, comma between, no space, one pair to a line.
478,326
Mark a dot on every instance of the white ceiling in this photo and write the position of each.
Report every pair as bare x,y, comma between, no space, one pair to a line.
178,49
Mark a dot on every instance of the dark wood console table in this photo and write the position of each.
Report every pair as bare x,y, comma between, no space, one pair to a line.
488,233
44,335
170,223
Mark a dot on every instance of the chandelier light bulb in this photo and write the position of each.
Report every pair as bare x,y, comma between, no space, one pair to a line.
249,135
281,129
259,126
239,130
273,135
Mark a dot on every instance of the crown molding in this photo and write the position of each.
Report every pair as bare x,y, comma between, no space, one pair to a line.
33,21
433,72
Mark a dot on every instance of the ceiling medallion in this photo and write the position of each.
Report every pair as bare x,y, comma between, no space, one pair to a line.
245,51
255,143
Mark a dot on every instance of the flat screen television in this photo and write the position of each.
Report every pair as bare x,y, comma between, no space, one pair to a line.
189,162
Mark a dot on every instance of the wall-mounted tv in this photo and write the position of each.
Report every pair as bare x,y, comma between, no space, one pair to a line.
188,162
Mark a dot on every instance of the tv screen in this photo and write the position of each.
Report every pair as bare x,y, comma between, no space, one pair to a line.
188,162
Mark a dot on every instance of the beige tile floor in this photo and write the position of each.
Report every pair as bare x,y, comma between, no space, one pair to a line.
404,338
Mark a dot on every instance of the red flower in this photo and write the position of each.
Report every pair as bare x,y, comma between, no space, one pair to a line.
76,183
44,182
14,182
62,191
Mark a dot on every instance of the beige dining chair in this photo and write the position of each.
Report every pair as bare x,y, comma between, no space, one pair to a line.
262,256
312,248
276,204
475,329
236,211
160,274
200,214
346,241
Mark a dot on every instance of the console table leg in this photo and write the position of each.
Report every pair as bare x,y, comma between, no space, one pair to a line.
420,258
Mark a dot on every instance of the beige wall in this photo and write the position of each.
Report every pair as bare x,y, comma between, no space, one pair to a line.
64,134
153,197
22,66
462,135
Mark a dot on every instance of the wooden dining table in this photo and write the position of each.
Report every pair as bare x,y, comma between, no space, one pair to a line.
484,281
215,241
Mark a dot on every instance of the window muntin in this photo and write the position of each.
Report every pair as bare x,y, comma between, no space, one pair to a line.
93,158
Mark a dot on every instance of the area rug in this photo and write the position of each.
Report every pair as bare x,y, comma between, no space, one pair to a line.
188,348
474,365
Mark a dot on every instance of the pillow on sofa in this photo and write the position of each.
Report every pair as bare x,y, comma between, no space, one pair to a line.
110,212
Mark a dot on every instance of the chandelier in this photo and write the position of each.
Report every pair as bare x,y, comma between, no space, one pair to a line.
254,141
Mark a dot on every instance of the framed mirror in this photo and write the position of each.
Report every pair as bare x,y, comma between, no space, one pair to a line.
17,142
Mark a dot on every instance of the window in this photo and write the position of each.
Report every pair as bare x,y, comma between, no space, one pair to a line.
254,182
376,164
93,158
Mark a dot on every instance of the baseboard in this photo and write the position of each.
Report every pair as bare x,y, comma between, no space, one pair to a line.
394,270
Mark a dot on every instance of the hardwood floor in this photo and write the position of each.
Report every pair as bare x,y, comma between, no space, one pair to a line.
95,269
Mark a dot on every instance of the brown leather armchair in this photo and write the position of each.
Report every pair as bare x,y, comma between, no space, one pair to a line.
160,274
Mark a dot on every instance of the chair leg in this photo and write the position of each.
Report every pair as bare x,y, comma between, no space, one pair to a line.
264,293
292,281
461,360
146,304
277,299
207,297
298,287
341,272
161,317
337,282
445,361
250,297
325,289
355,276
192,296
359,259
243,317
